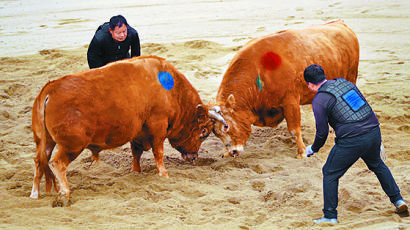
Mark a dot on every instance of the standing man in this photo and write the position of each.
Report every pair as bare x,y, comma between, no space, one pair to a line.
112,42
339,103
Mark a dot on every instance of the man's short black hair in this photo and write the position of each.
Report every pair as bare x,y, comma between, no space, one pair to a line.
118,20
314,74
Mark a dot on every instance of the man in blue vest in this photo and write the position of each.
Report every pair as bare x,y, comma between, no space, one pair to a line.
112,42
339,103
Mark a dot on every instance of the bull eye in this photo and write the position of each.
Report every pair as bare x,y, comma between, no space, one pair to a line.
226,127
203,132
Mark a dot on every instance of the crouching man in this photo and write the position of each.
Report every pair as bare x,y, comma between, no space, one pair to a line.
339,103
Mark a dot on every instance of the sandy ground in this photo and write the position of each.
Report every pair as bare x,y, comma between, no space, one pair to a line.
264,188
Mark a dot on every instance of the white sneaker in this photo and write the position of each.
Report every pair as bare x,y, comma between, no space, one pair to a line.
401,206
325,220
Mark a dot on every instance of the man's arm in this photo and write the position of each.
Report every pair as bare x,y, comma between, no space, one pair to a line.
94,54
135,45
320,109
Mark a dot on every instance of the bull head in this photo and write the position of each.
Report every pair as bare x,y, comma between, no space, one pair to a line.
230,127
194,133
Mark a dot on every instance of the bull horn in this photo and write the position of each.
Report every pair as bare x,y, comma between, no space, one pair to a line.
216,109
215,114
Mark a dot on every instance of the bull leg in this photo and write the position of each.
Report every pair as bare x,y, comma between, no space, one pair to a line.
293,117
157,128
50,178
41,169
158,150
58,165
95,154
38,174
95,157
136,153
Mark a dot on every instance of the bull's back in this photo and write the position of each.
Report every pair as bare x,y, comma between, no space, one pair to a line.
335,47
332,45
338,54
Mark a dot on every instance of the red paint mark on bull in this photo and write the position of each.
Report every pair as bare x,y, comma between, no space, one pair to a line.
271,61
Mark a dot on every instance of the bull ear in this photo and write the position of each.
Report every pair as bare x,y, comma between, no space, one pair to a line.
230,102
201,112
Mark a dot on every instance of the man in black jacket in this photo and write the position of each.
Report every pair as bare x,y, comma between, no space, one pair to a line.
112,42
339,103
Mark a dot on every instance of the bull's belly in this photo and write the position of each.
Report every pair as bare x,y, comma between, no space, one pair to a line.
111,138
104,145
117,137
270,117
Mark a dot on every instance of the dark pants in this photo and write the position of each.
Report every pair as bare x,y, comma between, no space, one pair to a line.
343,155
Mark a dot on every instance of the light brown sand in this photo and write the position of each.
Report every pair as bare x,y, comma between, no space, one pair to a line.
264,188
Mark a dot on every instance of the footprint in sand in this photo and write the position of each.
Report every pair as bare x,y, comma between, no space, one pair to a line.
14,89
258,186
404,128
334,4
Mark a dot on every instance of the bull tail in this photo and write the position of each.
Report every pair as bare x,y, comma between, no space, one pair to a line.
47,149
44,144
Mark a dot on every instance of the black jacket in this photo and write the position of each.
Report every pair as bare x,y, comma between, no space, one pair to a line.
104,49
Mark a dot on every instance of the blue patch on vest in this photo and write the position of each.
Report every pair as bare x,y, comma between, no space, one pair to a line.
166,80
353,99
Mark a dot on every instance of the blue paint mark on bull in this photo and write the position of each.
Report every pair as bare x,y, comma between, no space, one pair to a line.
166,80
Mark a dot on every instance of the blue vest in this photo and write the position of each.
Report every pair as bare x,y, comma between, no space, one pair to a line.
350,104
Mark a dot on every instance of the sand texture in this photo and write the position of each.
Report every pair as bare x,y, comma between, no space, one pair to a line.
264,188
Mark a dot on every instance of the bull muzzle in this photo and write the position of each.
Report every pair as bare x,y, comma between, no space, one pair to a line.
232,151
189,157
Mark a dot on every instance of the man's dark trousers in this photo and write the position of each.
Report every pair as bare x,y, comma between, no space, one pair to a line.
343,155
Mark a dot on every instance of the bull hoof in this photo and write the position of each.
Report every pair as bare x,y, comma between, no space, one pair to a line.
300,156
93,164
61,201
136,170
34,195
194,162
225,154
163,174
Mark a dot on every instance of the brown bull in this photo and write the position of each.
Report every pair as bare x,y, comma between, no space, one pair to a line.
264,82
142,101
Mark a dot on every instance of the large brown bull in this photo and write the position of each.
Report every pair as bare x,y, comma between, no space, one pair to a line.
264,82
142,101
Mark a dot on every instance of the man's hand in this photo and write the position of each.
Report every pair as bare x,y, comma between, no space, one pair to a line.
309,151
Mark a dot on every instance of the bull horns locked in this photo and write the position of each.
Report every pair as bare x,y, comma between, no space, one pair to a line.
215,113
